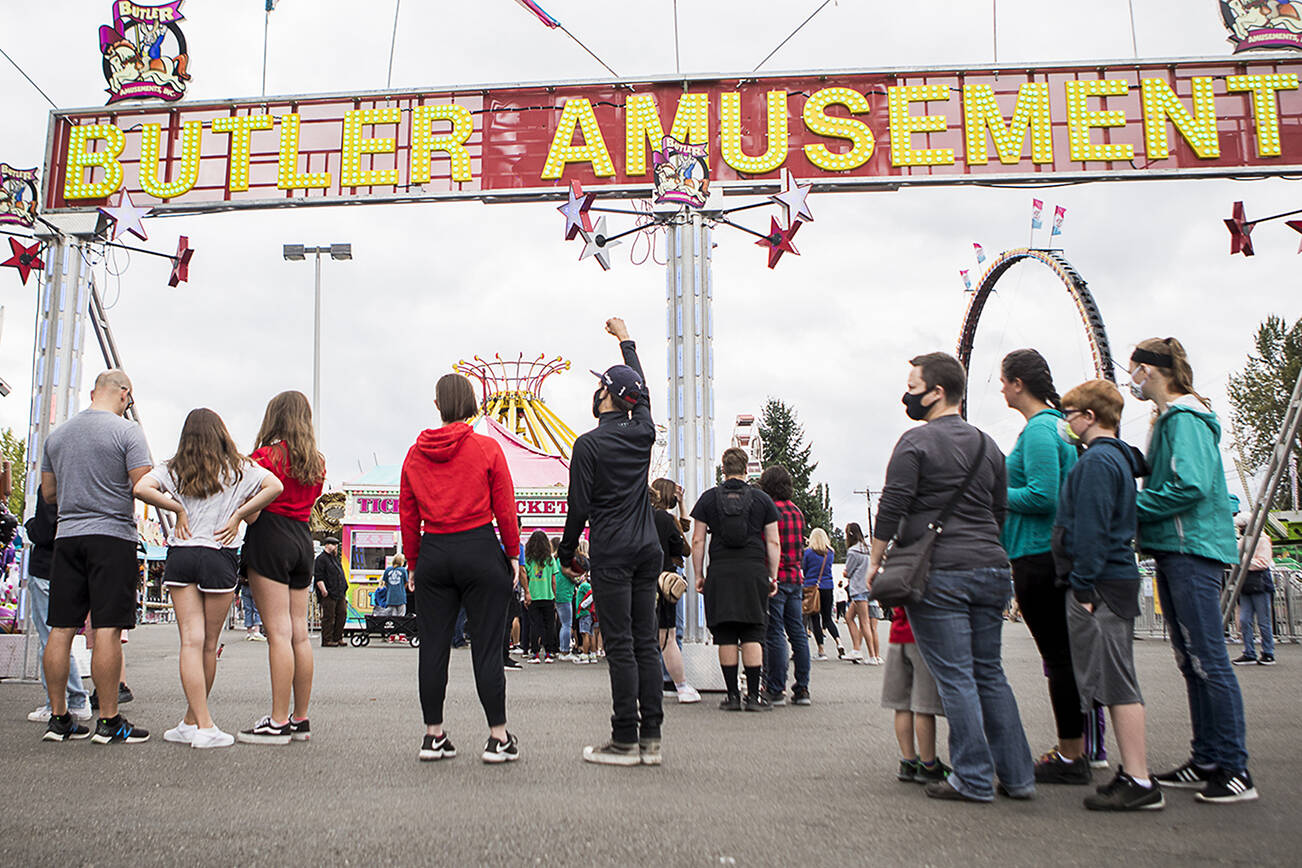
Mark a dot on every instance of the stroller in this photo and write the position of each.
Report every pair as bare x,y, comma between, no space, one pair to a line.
383,626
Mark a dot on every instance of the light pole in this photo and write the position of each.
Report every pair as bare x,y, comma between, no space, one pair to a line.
298,253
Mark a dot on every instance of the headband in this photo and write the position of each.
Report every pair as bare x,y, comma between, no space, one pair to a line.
1148,357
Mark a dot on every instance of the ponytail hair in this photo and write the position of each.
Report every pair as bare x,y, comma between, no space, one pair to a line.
1031,368
1168,356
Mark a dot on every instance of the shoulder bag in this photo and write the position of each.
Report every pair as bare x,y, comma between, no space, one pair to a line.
809,601
902,578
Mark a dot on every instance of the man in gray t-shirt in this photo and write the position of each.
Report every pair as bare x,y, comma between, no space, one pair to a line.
90,466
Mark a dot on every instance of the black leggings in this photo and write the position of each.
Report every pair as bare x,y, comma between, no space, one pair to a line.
462,569
1044,606
542,626
823,620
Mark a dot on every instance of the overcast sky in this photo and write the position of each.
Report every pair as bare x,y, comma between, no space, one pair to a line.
829,331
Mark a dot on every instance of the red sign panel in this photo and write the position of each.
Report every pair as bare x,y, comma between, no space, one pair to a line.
852,130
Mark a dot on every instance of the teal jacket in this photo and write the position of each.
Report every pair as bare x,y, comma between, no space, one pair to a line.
1037,467
1184,507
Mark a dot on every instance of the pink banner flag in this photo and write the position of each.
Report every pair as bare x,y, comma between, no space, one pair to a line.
1059,214
967,281
980,253
1037,208
539,13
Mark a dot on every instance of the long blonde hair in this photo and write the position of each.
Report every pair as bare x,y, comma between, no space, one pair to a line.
819,541
1179,375
289,419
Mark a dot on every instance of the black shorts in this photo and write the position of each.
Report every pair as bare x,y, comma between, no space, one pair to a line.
94,574
279,548
213,570
666,614
737,633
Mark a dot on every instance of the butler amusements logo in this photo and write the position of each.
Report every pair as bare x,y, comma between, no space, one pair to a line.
1263,24
144,52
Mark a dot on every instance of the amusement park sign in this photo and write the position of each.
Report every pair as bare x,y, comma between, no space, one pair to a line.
840,130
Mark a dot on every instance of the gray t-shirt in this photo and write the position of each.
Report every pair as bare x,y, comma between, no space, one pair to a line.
90,456
207,515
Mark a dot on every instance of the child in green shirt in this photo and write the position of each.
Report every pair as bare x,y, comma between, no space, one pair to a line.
542,570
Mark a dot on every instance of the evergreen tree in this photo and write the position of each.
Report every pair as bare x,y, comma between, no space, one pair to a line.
784,443
13,448
1259,394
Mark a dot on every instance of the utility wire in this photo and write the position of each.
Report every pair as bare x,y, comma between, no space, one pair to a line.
579,43
393,43
29,79
793,33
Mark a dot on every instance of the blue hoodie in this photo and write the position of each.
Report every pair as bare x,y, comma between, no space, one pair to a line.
1096,524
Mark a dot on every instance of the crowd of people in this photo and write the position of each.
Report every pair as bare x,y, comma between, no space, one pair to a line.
1058,524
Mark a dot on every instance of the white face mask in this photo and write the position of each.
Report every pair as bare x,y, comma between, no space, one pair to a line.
1136,387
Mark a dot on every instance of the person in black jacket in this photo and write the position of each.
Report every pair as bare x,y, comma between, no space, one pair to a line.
332,592
40,535
608,479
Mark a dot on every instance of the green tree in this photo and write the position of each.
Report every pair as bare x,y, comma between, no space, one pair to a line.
1259,394
15,451
784,443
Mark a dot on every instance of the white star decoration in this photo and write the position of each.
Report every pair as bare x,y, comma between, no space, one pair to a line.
792,199
126,217
575,210
591,246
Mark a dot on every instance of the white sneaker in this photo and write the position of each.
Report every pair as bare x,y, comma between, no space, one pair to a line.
820,656
258,637
687,694
592,658
40,715
877,661
856,657
182,733
210,737
83,713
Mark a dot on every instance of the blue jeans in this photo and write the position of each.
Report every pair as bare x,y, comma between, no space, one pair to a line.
1190,590
958,628
250,609
459,630
786,622
1256,607
565,611
38,591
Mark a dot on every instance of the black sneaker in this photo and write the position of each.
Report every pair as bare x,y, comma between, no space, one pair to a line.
1267,660
908,771
937,771
1123,794
436,748
731,702
1244,660
501,751
265,732
800,696
613,753
774,699
118,730
300,730
511,663
124,693
1186,777
1053,768
1226,787
64,729
757,703
945,791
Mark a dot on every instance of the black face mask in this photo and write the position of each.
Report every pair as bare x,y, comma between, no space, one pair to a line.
913,407
596,401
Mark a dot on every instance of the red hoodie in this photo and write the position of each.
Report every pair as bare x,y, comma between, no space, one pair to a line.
454,480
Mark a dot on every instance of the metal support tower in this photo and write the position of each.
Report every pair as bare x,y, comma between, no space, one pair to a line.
689,292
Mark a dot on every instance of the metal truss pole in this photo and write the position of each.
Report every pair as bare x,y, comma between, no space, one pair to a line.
689,294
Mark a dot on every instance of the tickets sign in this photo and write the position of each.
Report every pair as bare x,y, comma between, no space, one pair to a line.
851,130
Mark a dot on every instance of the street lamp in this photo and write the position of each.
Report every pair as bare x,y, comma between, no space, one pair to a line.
298,253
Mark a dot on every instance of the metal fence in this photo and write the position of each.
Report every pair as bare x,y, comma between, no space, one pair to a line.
1287,608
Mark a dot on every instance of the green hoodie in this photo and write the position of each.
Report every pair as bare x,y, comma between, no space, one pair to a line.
1184,507
1037,467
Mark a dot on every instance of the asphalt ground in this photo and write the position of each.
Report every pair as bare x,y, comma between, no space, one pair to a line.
812,786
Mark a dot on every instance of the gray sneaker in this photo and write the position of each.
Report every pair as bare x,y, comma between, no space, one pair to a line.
649,751
613,753
774,698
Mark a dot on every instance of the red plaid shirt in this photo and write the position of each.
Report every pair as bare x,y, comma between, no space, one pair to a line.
791,533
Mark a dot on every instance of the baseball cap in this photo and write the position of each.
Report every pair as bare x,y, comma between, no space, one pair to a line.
623,383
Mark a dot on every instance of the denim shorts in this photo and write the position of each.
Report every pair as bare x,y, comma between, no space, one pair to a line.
859,598
585,623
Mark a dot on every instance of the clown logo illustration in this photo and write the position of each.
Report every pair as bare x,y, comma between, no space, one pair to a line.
682,175
1263,24
17,196
144,52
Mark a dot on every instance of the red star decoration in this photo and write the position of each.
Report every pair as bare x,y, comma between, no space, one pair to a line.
779,241
25,259
1295,225
181,262
1240,231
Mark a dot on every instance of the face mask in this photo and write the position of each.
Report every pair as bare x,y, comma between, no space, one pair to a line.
1137,388
596,402
1069,436
913,407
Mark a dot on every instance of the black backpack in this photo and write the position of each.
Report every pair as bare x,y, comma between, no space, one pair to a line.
734,507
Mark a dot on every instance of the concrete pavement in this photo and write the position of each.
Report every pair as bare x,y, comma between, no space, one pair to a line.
810,785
